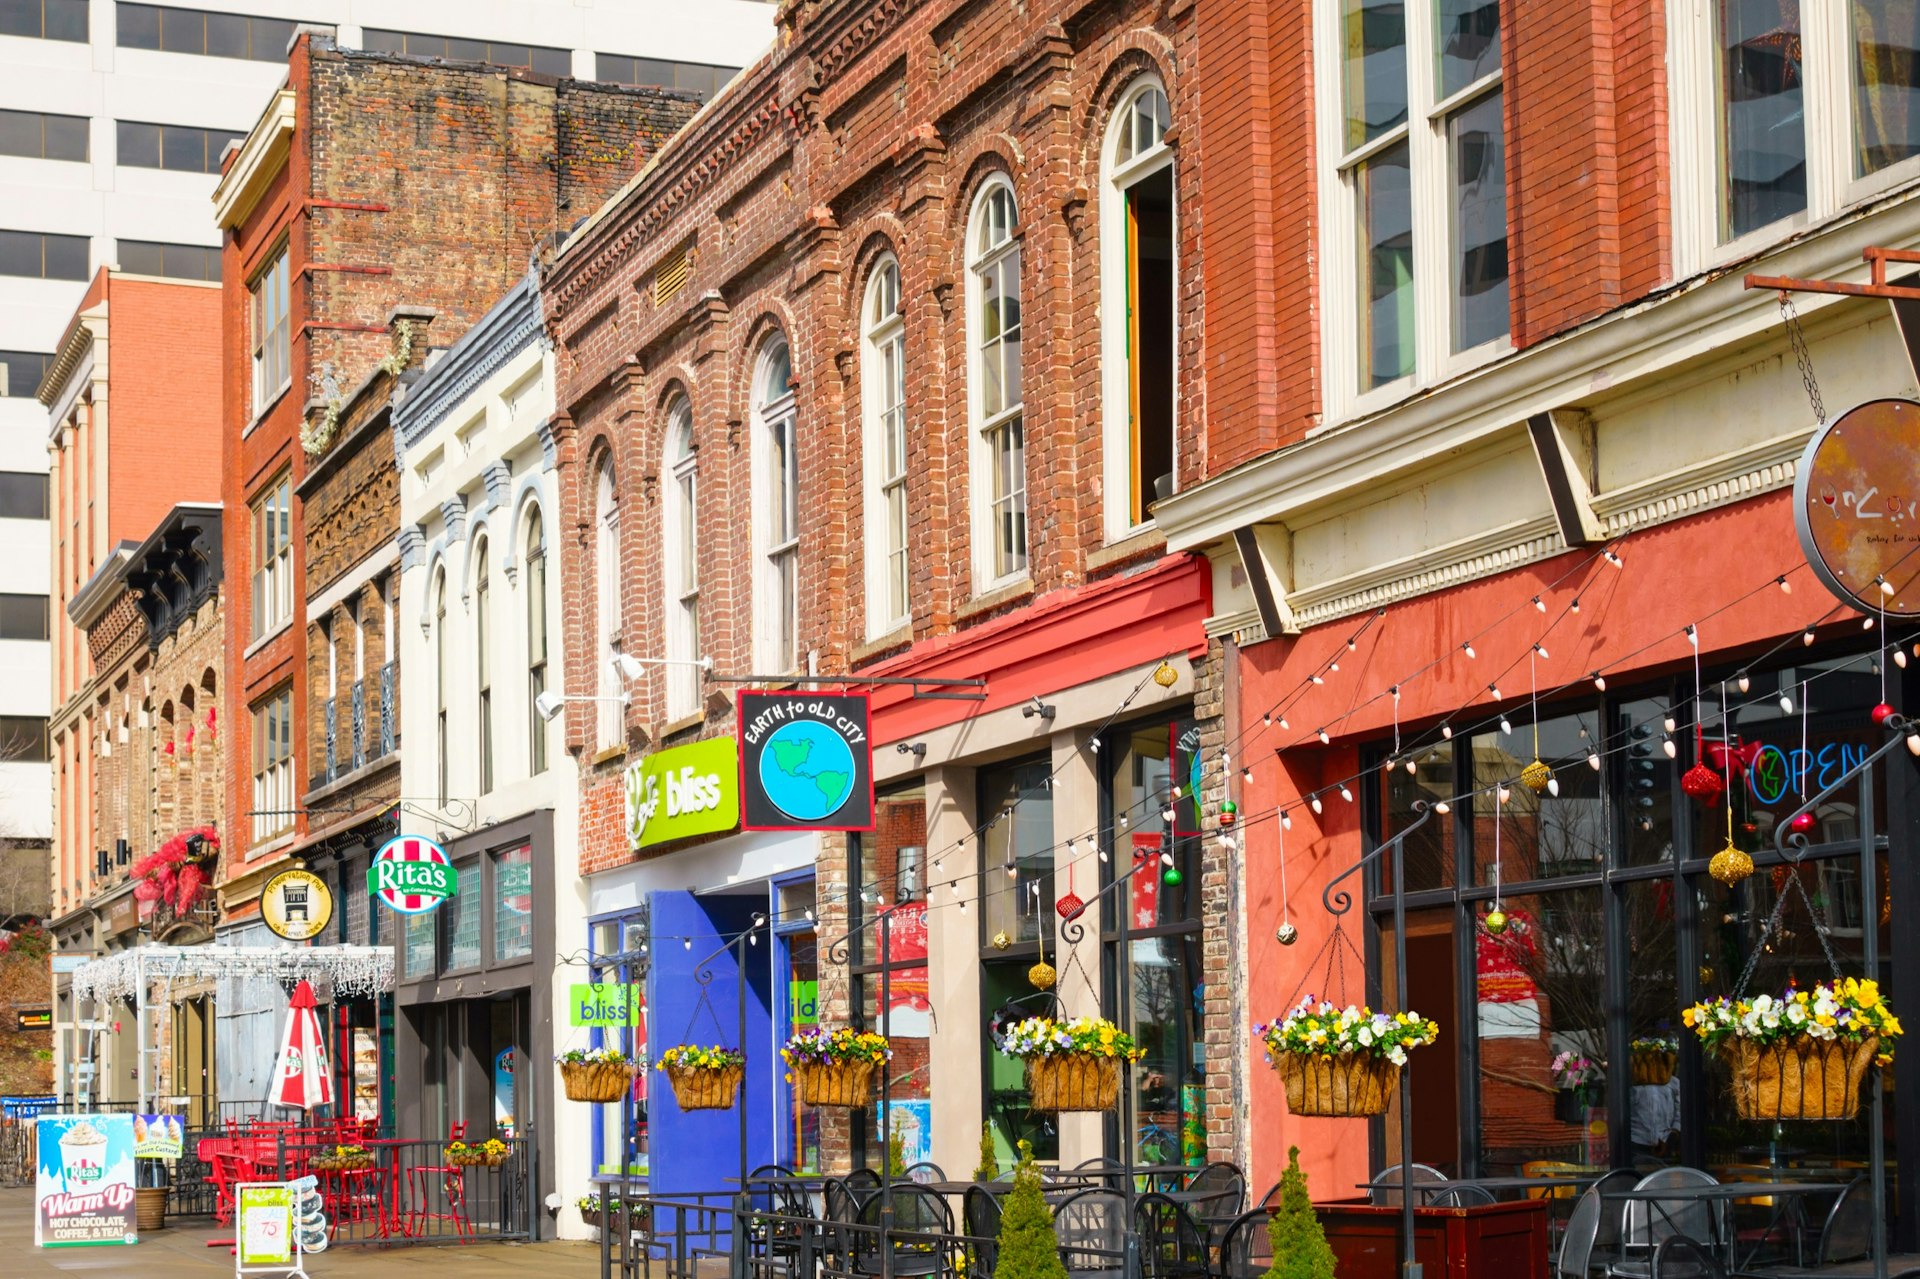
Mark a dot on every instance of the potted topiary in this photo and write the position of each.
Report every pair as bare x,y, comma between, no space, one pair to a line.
704,1078
597,1074
1029,1246
989,1166
1342,1061
1801,1055
835,1067
1071,1065
1300,1248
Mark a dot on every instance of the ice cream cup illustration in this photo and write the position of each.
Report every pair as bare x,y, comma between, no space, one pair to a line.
83,1155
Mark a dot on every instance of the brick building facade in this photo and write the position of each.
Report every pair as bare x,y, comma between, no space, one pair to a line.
875,374
372,181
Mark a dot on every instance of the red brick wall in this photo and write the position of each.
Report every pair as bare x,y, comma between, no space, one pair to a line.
164,355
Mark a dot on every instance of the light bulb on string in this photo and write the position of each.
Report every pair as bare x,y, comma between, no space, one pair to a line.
1575,606
1540,649
1786,704
1886,587
1553,786
686,943
1913,743
1346,794
1467,648
1693,637
1900,657
1505,794
1668,745
1593,760
1411,768
1166,815
1446,731
1313,800
1505,727
1806,637
1246,774
1317,680
1351,644
1442,807
1495,690
1267,719
1539,604
1743,681
1324,738
1786,587
1600,681
1286,820
1166,859
1333,666
1283,723
1669,723
1013,871
1176,792
1614,559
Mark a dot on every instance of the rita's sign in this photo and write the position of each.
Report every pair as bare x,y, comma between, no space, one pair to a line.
806,761
412,875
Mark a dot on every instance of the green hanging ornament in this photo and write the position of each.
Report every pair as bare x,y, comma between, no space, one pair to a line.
1172,877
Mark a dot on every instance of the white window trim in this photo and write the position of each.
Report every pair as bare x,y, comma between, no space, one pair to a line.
1435,361
531,512
610,720
1693,135
678,522
979,456
259,339
486,652
767,607
1116,427
876,336
270,609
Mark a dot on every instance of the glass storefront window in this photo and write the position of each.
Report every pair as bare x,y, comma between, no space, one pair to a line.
1558,832
422,933
618,954
1429,851
463,921
891,915
800,1149
1637,735
1169,1103
513,903
1008,1108
1140,794
1018,904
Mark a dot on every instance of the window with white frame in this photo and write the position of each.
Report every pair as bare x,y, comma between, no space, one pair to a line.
883,364
272,334
1416,204
995,397
777,519
1784,112
606,551
272,518
441,678
536,557
1139,325
273,765
483,657
682,561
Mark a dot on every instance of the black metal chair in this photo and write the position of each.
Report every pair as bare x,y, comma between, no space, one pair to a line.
1092,1227
1578,1241
863,1181
1172,1244
1679,1257
1272,1198
924,1172
779,1217
1246,1250
839,1208
1216,1195
922,1239
1848,1232
1606,1240
1385,1188
1457,1197
981,1208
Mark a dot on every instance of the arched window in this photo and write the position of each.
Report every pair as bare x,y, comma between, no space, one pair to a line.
536,557
995,397
440,680
776,519
883,364
1139,325
606,522
682,561
483,667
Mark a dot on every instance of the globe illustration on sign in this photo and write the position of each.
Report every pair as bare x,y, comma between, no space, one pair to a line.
807,770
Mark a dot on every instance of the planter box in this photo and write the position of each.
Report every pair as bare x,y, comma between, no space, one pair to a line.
1504,1239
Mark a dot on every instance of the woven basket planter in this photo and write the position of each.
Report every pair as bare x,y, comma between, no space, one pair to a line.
835,1083
342,1163
596,1081
1342,1086
474,1159
1074,1082
1653,1069
1808,1079
696,1088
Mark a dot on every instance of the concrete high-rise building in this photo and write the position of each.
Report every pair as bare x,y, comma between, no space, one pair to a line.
113,120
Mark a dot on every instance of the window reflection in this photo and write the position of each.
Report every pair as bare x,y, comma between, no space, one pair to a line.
1559,831
1018,904
1763,126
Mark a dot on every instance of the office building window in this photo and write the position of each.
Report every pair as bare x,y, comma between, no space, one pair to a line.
179,147
539,58
21,371
40,136
273,558
23,617
23,495
23,740
272,345
658,73
218,35
273,765
172,261
45,19
40,256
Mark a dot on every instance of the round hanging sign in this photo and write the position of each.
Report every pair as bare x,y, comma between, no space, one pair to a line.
412,875
1856,503
296,905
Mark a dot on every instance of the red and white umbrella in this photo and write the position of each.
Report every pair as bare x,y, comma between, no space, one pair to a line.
302,1078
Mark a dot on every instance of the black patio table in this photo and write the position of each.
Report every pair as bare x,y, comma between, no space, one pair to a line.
1781,1193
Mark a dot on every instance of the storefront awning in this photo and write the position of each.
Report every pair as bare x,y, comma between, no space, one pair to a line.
353,970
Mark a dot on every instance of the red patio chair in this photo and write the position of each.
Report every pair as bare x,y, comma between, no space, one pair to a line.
453,1183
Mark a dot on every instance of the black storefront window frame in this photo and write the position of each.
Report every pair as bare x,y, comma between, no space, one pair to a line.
1017,951
1695,841
1117,931
865,1151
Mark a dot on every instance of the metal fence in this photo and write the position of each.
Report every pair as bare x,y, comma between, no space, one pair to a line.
414,1193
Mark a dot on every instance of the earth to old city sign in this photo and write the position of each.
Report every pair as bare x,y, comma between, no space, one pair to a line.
1856,503
806,761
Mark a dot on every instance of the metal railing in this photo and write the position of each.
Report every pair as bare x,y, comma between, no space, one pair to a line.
413,1192
359,723
333,738
387,708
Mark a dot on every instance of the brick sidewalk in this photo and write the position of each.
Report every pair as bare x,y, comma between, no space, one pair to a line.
180,1252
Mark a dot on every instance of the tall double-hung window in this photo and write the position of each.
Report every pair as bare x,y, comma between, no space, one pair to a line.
682,562
884,395
1411,112
997,401
776,469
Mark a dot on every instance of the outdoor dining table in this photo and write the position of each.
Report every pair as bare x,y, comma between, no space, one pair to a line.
1779,1194
1495,1186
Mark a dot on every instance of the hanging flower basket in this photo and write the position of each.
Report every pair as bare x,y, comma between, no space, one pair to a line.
1801,1055
490,1153
835,1068
619,1217
1071,1065
1653,1061
1343,1062
704,1078
596,1074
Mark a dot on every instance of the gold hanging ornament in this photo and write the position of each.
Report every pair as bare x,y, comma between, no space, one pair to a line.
1001,941
1730,865
1536,776
1496,922
1042,975
1165,676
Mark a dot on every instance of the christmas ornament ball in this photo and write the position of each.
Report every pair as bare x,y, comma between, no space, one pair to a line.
1172,878
1286,934
1042,975
1730,865
1001,941
1229,813
1801,824
1703,784
1496,922
1535,776
1882,713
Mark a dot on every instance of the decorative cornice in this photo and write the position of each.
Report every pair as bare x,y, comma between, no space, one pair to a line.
859,36
500,334
498,477
413,546
453,513
262,154
549,446
88,327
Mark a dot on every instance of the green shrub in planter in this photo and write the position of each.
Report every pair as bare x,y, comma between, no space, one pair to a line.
989,1167
1300,1249
1029,1245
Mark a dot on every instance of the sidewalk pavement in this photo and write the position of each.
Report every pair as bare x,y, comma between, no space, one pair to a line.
181,1252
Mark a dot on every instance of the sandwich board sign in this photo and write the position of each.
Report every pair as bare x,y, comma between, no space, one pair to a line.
83,1181
269,1219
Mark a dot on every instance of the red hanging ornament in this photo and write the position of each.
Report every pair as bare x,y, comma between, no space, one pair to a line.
1802,824
1069,905
1704,785
1882,713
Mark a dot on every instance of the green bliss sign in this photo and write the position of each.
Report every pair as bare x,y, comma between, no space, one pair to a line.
604,1004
